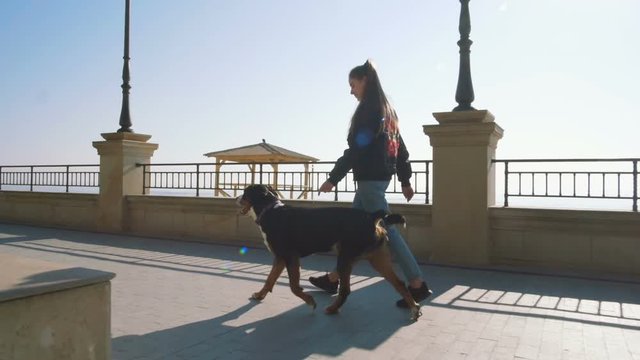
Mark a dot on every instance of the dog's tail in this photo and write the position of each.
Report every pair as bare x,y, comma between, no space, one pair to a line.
382,219
389,219
392,219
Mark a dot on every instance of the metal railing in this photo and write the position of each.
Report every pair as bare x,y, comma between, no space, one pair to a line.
609,178
294,180
49,177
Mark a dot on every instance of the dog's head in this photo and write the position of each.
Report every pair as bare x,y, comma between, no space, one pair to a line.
256,198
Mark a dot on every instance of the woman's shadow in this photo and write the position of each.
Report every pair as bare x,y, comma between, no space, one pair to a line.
294,334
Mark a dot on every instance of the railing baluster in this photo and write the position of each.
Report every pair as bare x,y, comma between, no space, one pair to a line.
634,207
67,180
560,184
533,183
506,184
426,181
198,180
546,184
144,179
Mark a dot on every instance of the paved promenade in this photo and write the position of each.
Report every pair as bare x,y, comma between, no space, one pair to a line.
180,300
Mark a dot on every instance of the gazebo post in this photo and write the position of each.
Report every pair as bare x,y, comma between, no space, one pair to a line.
306,180
252,167
218,166
275,176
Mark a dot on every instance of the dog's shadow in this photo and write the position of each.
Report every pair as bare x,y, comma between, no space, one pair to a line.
257,329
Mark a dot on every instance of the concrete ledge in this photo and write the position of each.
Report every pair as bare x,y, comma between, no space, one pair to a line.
50,311
28,277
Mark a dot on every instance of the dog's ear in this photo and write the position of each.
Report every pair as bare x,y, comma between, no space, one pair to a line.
251,191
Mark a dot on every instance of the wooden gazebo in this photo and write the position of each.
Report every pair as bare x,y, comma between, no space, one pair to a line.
261,153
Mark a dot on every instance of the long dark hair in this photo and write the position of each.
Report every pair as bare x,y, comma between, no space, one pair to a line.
374,103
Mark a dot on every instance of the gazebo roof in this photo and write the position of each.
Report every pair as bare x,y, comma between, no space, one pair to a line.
261,152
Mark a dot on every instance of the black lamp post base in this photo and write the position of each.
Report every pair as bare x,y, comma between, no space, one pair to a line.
464,108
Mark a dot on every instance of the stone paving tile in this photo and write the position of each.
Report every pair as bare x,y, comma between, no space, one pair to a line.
180,300
568,304
510,298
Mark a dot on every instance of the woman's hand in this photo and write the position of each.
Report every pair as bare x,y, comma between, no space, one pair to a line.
325,187
407,191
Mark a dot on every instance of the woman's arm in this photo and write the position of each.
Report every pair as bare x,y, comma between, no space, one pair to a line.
403,166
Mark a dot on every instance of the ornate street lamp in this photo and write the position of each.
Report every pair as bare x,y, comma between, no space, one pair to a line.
464,92
125,117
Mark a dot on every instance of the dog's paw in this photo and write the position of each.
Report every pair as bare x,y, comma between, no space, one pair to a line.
415,313
311,302
258,296
331,310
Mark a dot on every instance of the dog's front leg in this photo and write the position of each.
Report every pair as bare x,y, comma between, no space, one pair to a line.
344,267
293,269
276,270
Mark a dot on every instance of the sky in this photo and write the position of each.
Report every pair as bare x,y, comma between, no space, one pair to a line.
560,77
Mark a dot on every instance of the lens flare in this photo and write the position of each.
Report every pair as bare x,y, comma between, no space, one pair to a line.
243,250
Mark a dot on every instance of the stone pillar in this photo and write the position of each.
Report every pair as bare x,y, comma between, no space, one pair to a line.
464,144
119,175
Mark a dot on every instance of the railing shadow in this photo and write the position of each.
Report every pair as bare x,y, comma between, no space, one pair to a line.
190,257
562,298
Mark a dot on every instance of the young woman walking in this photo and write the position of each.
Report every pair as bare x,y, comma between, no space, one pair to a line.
376,152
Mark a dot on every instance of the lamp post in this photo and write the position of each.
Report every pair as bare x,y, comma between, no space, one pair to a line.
464,91
125,117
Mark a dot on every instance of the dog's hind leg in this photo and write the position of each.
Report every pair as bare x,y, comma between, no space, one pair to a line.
380,260
293,269
344,267
276,270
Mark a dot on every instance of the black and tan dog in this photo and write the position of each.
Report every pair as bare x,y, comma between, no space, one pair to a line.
291,233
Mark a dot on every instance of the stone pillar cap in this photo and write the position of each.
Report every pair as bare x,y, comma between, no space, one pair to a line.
126,136
458,117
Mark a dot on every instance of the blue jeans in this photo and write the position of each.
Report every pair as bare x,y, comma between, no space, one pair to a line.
370,196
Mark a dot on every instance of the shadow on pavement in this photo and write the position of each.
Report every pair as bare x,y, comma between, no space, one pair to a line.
297,333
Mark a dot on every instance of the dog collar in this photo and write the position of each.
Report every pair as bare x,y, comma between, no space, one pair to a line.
274,205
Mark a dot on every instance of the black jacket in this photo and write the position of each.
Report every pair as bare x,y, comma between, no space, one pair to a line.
376,152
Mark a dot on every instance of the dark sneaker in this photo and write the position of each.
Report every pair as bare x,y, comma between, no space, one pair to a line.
418,295
323,282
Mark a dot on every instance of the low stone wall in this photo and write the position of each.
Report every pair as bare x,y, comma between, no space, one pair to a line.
217,220
51,311
598,241
61,210
213,220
